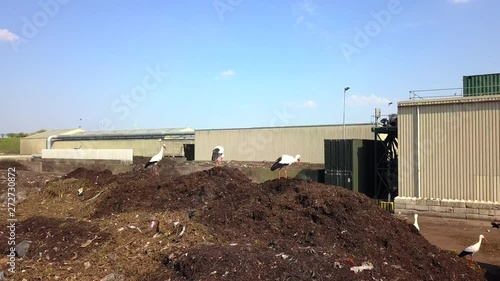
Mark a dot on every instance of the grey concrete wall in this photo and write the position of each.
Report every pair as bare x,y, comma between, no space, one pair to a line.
447,208
141,147
89,154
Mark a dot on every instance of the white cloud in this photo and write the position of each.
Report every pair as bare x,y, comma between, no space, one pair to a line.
302,9
6,35
366,100
225,74
308,7
310,104
459,1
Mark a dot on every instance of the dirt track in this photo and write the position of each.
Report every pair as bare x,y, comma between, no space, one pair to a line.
456,234
217,224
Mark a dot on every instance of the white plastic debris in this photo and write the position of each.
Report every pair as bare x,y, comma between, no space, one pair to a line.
364,266
182,232
282,255
134,227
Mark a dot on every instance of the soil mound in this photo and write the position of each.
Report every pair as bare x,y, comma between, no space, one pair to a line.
163,193
297,230
59,240
85,174
6,164
217,224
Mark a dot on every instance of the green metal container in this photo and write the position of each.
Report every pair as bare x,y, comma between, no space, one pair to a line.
351,164
481,85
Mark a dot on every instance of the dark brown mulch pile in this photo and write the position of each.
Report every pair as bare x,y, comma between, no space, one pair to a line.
236,229
297,230
82,173
59,240
291,230
6,164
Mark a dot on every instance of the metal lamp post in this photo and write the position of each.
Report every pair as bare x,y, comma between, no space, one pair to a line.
343,117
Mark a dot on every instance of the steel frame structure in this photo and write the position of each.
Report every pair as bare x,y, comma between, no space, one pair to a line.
386,162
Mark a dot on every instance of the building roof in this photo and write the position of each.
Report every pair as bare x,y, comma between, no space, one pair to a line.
290,127
49,133
450,100
141,131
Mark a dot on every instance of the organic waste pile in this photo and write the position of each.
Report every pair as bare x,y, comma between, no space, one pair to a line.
7,164
218,225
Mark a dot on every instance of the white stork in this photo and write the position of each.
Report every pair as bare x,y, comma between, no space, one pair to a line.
218,154
155,159
471,250
415,223
284,161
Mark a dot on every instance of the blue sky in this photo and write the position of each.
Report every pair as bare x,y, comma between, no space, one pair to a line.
231,63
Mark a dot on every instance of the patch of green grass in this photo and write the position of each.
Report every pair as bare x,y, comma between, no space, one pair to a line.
10,145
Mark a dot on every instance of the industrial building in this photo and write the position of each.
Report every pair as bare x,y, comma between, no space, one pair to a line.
267,144
438,156
143,142
449,161
33,144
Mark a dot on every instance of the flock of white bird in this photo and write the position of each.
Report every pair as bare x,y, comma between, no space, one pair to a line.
284,161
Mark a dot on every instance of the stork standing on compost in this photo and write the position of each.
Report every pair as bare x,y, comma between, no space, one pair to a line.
283,162
155,159
218,154
415,223
471,250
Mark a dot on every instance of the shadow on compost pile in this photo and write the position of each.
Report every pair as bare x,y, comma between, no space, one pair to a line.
151,193
59,240
297,230
104,176
6,164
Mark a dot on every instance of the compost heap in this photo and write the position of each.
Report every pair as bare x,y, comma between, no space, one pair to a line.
8,164
219,225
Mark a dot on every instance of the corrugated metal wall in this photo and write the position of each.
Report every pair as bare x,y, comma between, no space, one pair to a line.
35,143
32,146
267,144
146,148
455,144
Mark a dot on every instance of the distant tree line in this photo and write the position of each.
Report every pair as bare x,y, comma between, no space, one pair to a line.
21,135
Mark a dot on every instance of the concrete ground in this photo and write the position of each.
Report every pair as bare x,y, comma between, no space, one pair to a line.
456,234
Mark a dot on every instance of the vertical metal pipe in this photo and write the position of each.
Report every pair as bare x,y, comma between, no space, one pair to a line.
418,152
343,114
343,118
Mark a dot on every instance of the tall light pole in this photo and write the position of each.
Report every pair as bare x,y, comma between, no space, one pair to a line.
343,117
